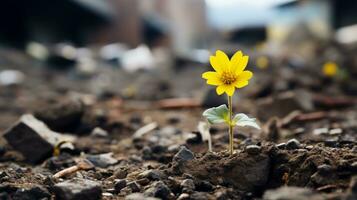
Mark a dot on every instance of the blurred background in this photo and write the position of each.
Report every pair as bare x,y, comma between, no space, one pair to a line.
157,49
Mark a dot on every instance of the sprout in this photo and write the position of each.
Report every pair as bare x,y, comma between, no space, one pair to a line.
229,74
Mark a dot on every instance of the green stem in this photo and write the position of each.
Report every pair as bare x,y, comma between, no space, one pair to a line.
230,107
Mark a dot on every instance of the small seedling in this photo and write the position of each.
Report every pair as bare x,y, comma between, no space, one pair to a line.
228,75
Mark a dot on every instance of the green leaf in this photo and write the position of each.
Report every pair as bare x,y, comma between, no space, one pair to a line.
242,119
217,115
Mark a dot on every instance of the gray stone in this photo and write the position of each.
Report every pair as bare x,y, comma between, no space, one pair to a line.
36,192
293,144
253,149
291,193
99,132
152,174
62,115
139,196
158,189
134,186
77,189
33,139
281,146
119,184
187,185
184,154
103,160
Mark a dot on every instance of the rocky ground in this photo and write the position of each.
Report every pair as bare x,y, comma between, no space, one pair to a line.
68,136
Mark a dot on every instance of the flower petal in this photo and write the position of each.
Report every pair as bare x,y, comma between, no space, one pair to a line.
229,90
239,65
209,75
212,78
220,89
240,84
222,59
245,75
216,65
236,59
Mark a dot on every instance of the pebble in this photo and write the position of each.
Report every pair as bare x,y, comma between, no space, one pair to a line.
187,185
29,131
119,184
253,149
324,169
293,144
281,146
36,192
77,189
139,196
158,189
99,132
102,160
183,196
151,174
184,154
134,186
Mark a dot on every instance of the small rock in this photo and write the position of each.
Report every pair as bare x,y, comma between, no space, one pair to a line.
291,193
184,154
204,186
77,189
134,186
184,196
187,185
293,144
139,196
62,116
194,138
158,189
102,160
324,169
253,149
121,173
99,132
33,139
320,131
281,145
119,184
335,131
152,174
36,192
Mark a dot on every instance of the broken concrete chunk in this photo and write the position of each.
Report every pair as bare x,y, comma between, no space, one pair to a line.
78,189
33,138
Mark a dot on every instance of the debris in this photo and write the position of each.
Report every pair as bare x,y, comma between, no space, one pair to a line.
33,139
102,160
62,115
253,149
35,192
77,189
293,144
119,184
175,103
99,132
145,129
291,193
81,165
158,189
11,77
184,154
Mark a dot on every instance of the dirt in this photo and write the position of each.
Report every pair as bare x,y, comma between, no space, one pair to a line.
306,149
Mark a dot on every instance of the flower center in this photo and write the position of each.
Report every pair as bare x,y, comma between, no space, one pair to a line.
228,78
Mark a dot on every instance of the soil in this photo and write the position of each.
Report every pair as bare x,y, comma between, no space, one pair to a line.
305,150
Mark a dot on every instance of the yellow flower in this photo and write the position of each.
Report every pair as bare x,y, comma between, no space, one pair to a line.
330,69
228,74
